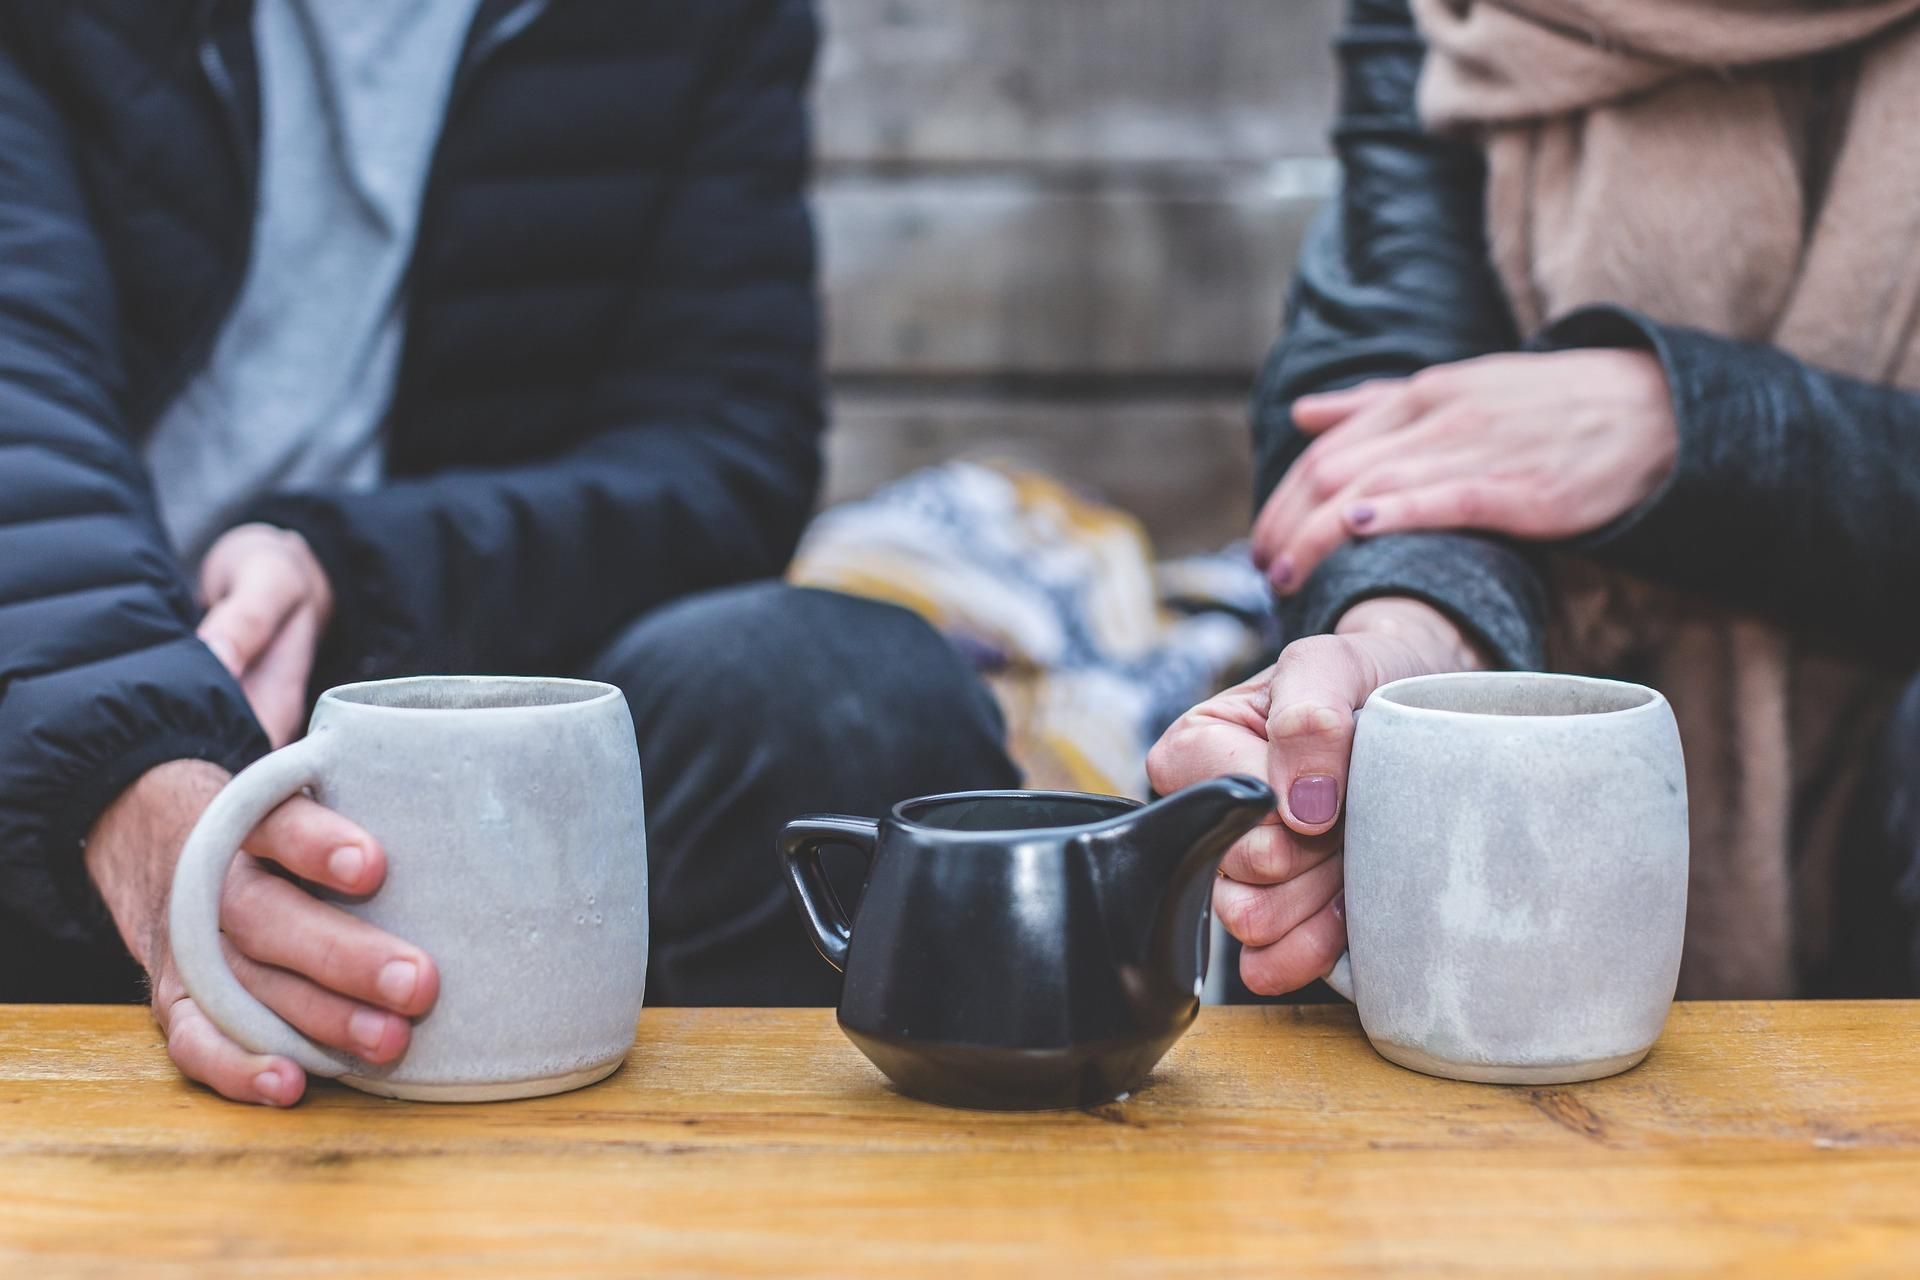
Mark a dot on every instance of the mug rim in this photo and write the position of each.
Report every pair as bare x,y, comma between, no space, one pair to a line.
1652,704
594,693
897,814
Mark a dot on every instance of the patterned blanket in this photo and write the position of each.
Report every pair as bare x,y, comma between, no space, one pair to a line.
1090,646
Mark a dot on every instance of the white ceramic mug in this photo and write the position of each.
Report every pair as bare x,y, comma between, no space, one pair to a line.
1516,875
511,814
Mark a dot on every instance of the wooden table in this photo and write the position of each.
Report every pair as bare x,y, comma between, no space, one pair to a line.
1758,1138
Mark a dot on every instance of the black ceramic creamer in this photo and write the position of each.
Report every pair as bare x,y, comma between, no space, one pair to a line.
1023,949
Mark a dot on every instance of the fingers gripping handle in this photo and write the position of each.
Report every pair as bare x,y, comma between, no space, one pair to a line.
800,845
193,923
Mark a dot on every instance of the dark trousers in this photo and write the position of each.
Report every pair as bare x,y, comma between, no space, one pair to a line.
1877,917
754,705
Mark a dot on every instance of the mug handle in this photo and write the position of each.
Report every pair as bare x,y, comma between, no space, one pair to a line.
800,844
193,916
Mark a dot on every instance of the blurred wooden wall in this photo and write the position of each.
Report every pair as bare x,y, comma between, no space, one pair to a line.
1058,231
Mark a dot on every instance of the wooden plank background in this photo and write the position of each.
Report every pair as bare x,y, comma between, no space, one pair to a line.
1058,232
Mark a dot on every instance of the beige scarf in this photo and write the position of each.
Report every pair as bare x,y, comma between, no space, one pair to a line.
1659,154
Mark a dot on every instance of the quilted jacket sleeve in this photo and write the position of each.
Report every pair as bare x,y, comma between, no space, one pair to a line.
1395,277
100,674
705,458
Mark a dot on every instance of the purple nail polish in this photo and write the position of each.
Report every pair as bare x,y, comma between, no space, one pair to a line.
1283,572
1340,906
1360,514
1313,799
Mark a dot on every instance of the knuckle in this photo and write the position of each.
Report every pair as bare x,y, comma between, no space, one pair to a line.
1325,480
252,620
1234,906
1161,761
1258,972
1462,418
1429,386
1271,858
248,899
334,962
1470,505
1307,653
1310,719
1382,480
1306,472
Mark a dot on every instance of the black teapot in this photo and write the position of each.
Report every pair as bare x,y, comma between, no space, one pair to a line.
1022,949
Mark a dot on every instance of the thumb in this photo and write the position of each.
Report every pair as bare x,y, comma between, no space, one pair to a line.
243,622
1318,683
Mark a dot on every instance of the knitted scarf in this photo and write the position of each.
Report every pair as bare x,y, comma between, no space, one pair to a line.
1691,159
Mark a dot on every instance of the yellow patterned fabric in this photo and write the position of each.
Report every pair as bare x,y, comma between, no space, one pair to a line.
1090,647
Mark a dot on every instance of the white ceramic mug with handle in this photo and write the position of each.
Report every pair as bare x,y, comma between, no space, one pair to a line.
1516,875
510,810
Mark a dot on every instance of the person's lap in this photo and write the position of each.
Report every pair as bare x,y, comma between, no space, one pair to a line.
755,704
1877,915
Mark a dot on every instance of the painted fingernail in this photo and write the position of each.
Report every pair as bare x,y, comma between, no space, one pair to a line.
268,1085
1314,799
1283,572
346,863
1340,906
367,1027
1360,514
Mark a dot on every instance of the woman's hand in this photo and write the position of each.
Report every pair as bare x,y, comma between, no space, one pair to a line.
1279,891
1540,446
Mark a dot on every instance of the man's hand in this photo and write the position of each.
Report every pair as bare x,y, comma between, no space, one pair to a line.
268,604
1540,445
336,978
1280,886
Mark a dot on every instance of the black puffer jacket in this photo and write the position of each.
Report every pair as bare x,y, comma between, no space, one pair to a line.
608,396
1797,491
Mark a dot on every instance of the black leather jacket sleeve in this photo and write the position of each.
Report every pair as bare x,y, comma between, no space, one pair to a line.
1796,492
1394,277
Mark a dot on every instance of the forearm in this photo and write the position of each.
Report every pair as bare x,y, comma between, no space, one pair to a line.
131,850
1795,493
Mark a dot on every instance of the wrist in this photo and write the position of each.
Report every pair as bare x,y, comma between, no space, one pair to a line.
133,845
1432,640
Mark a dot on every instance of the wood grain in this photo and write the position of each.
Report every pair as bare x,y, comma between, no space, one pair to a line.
1181,463
989,276
1074,82
1758,1139
1101,197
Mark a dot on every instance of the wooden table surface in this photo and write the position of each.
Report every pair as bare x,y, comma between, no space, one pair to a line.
1757,1139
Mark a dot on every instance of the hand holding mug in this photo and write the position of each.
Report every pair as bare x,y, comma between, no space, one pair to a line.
1280,886
338,979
